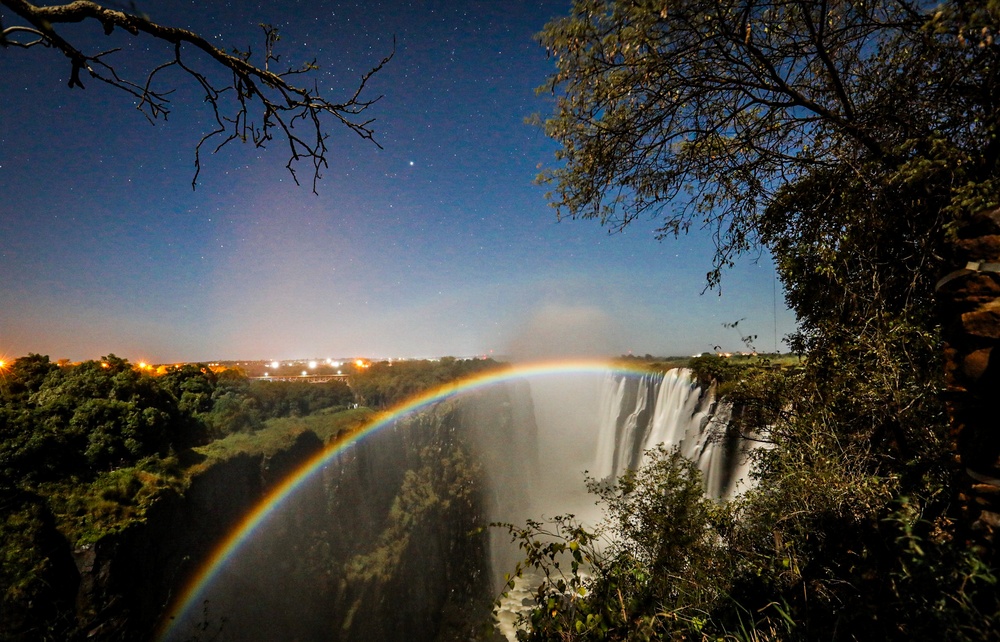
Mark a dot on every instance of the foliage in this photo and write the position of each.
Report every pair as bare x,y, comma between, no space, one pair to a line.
726,113
825,552
31,597
710,368
113,501
230,402
89,418
385,383
276,434
846,533
650,572
86,450
847,139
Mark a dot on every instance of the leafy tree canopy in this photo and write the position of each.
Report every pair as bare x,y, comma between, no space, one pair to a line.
727,113
850,139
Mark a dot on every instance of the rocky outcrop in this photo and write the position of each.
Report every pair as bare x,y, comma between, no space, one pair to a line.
970,310
127,578
388,541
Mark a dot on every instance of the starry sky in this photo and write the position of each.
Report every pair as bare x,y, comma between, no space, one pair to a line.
438,244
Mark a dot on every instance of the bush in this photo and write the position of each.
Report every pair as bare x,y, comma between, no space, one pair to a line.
661,570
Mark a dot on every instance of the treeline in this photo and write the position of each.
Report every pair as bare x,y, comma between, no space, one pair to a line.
385,383
57,422
87,449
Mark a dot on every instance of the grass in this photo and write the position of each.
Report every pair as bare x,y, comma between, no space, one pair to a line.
278,434
113,501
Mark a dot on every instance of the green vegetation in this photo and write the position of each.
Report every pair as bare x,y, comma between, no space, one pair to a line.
278,433
86,450
849,140
385,383
830,557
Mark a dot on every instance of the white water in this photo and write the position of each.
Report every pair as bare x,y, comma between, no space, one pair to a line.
606,425
640,413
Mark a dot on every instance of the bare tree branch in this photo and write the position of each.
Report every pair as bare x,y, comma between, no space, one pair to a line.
254,91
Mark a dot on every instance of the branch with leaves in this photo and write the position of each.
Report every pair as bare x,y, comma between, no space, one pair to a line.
258,104
700,111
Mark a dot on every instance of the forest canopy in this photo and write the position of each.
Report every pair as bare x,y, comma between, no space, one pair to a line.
751,117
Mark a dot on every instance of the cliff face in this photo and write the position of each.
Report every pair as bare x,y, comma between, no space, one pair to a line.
969,301
388,541
125,579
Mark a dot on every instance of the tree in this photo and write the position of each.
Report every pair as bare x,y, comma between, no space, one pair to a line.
850,139
259,103
710,111
856,142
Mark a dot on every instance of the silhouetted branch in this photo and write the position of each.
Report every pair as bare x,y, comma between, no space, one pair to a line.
281,104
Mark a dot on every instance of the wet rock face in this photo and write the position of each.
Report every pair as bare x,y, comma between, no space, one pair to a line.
388,541
125,579
970,312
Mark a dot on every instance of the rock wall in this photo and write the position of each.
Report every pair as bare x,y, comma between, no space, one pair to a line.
398,539
127,578
389,541
970,310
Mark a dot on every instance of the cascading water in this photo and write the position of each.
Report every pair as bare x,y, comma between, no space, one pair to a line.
640,413
628,415
603,425
387,537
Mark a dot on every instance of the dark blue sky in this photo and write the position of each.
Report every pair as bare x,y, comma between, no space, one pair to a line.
438,244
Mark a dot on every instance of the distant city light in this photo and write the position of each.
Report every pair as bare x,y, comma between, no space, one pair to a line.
265,373
312,365
275,365
336,364
359,363
304,373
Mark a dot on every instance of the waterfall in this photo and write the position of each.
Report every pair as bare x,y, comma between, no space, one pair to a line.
631,415
638,413
387,539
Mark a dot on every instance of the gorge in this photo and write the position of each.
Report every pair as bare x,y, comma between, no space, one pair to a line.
389,534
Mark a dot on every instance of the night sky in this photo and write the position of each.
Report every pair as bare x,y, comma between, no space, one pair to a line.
439,244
